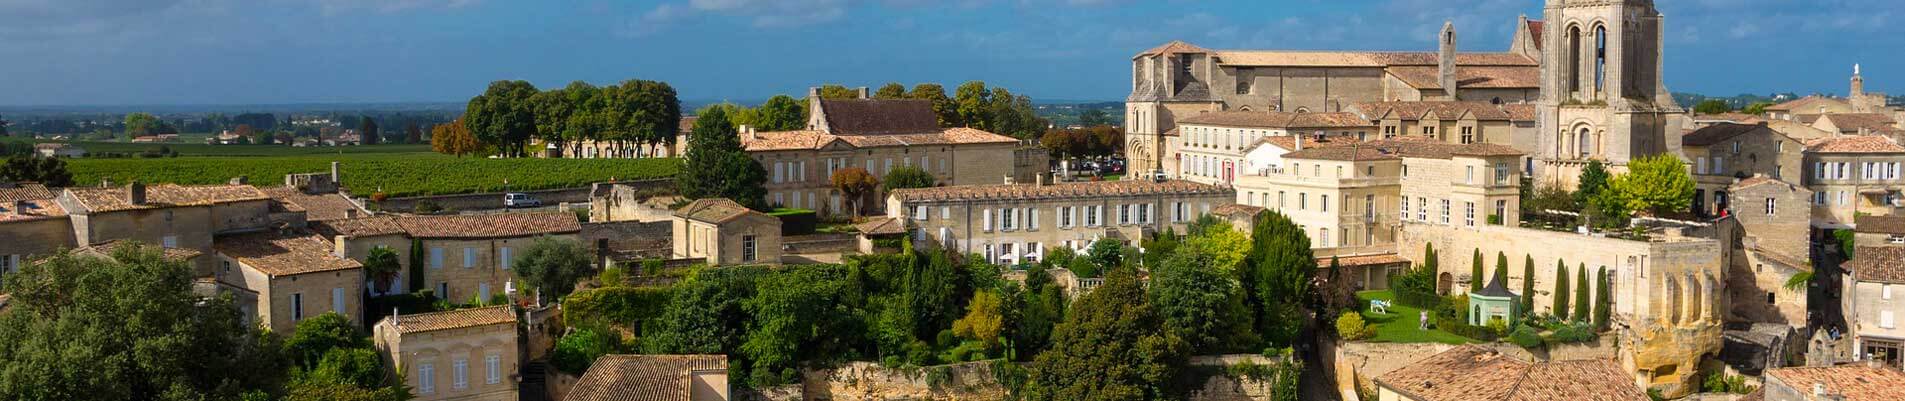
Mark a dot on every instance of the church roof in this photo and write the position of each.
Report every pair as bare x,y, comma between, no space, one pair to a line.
1298,58
1274,119
1809,104
1715,133
879,116
1478,77
1174,47
1445,110
1534,31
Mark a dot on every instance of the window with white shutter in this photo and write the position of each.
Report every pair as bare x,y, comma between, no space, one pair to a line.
502,257
1031,219
460,375
986,217
1885,320
493,369
426,379
469,257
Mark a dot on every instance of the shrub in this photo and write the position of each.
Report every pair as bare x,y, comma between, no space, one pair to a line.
1574,334
1722,383
1352,327
576,351
1525,336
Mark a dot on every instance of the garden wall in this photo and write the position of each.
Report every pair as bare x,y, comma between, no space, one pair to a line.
819,243
486,200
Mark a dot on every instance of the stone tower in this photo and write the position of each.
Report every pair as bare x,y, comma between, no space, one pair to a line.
1446,68
1602,97
1166,82
1858,83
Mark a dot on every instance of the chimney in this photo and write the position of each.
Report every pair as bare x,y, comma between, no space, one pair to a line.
1008,179
748,132
239,180
334,173
18,207
136,193
864,94
1819,390
1299,142
350,213
1446,68
1038,180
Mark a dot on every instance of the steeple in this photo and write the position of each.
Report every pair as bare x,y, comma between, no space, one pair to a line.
1858,83
1446,69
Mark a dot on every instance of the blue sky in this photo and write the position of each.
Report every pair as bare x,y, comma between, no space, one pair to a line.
116,52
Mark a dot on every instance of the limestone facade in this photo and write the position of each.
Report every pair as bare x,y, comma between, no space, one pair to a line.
1602,92
1013,224
1213,147
468,354
726,233
1726,153
1852,175
1773,245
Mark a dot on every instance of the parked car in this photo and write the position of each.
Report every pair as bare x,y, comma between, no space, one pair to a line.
518,199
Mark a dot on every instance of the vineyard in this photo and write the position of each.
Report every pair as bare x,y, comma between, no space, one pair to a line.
397,174
200,149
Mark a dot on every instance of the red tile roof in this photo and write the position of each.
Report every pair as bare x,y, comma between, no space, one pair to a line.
1174,47
498,225
1878,264
316,207
455,319
1274,119
1480,77
1715,133
1534,31
1392,149
1026,192
882,226
283,253
1809,105
1852,382
1471,373
37,202
1444,110
644,377
713,210
1854,144
96,199
365,227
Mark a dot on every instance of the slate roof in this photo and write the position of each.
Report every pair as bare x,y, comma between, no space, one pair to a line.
1475,373
1854,144
879,116
498,225
643,377
456,319
317,207
714,210
1477,77
1855,382
1878,264
111,199
1027,192
1445,110
1273,119
1715,133
1497,287
283,253
1879,224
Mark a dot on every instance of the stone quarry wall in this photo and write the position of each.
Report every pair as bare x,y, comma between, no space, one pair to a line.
866,381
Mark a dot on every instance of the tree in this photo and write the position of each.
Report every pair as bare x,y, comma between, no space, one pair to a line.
654,114
1107,254
1593,180
1113,346
1501,268
1712,106
1757,108
908,177
381,266
50,171
795,317
315,390
703,316
1279,274
574,352
1603,304
1042,306
318,335
717,166
838,91
781,113
551,266
146,124
503,116
367,131
1582,308
892,90
943,106
453,139
1227,246
974,105
1093,117
854,184
3,125
1656,184
1350,326
127,327
1203,305
983,321
1528,285
1561,290
360,366
554,111
1475,272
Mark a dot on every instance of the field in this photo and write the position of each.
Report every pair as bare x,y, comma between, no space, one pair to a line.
397,174
202,149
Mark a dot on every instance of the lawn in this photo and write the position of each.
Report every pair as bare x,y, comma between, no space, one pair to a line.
1401,324
397,174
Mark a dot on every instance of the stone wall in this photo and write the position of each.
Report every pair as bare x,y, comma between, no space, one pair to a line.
486,200
866,381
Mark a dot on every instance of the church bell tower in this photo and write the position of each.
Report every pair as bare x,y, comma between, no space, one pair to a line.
1602,96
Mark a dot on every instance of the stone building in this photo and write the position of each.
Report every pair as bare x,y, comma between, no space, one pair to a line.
356,238
655,377
1471,372
1347,194
1012,224
465,354
1462,122
1179,80
468,257
1603,96
1879,230
878,135
168,215
1874,299
1852,175
1859,124
726,233
1725,153
1832,383
294,274
1772,245
34,222
1212,147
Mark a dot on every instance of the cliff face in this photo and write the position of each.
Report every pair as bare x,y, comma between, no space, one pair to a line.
1668,357
865,381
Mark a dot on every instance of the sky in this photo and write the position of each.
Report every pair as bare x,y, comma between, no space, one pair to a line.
152,52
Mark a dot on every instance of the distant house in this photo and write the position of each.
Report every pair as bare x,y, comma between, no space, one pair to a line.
156,138
226,137
726,233
55,149
654,377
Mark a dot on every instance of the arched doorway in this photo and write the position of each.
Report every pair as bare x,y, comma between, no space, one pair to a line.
1443,282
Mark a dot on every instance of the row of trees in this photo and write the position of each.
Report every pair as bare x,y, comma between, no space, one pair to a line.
510,113
973,105
1570,302
1092,141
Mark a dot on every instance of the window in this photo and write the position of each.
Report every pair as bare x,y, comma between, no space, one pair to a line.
919,213
10,264
1323,237
1501,173
985,220
1324,202
1771,204
502,257
1031,219
469,257
443,290
492,369
1302,201
1177,212
169,241
1124,214
1468,175
482,291
747,248
1736,147
1405,209
1065,216
1468,135
1468,217
1885,320
297,306
1094,215
1885,291
1895,238
1445,211
945,212
1008,219
1144,214
1280,203
1428,130
1501,211
460,374
426,379
1244,80
337,300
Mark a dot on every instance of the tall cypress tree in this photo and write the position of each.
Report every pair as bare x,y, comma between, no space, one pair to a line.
1581,306
1561,290
1428,257
1528,286
1501,268
1602,303
1475,273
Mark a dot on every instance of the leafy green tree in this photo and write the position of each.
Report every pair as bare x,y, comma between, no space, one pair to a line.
554,111
146,124
781,113
718,167
1278,277
975,105
943,106
575,351
1656,184
1429,258
837,91
908,177
704,316
984,321
655,112
320,334
1112,346
1582,309
1161,246
361,367
128,327
1603,303
1108,254
1593,181
1712,106
1093,118
45,170
1757,108
1227,246
1501,268
503,116
801,314
1475,272
381,266
1561,290
892,90
1528,285
1204,306
1013,115
367,131
1042,306
317,390
551,266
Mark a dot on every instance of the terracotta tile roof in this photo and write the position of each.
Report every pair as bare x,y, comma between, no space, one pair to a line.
1363,260
1283,58
1879,224
1797,130
1741,118
283,253
714,210
1367,151
24,192
686,125
107,248
644,377
808,140
1878,264
1854,144
1410,111
1426,77
456,319
879,116
1175,47
1520,112
365,227
498,225
1236,210
1028,192
1274,119
96,199
1758,179
316,207
1858,121
1809,105
1856,382
882,226
1309,141
1534,32
1471,373
1712,134
1392,149
36,202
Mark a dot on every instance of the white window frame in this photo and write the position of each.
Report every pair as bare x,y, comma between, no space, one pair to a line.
426,378
337,300
493,369
460,374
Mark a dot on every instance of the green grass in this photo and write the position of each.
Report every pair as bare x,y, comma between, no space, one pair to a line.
197,147
1401,324
397,174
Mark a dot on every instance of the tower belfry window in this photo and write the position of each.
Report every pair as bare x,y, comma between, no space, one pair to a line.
1600,60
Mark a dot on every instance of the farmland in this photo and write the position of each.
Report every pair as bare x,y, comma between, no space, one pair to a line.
397,174
202,149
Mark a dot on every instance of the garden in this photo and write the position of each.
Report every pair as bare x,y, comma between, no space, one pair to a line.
1397,315
395,174
1604,203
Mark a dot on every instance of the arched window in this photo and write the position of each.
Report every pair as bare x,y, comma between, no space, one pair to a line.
1600,60
1583,144
1574,59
